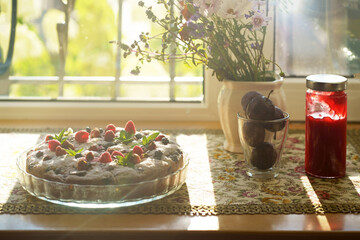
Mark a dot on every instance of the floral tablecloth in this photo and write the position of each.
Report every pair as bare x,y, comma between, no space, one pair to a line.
216,181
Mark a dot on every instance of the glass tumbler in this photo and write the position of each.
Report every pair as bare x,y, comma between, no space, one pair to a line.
263,142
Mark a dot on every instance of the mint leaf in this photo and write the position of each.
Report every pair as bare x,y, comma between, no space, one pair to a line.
60,137
73,152
125,161
147,139
125,137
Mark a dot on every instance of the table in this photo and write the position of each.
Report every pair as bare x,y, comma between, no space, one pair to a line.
163,226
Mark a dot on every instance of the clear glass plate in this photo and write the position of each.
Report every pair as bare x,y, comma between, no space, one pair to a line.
100,196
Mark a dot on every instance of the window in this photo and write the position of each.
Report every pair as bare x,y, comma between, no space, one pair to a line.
319,36
62,52
308,37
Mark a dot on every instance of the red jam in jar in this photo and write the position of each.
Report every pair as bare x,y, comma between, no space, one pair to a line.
325,128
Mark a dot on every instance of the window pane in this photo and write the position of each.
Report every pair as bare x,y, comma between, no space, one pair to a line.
92,25
34,90
53,60
319,36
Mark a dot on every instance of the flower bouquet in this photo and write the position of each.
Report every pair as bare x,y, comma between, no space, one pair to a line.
226,36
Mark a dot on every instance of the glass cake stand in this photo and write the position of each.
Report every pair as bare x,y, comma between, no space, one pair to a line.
100,196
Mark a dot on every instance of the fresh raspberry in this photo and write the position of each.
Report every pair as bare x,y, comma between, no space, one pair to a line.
138,150
53,144
89,156
110,127
105,157
81,136
60,151
109,136
135,159
130,127
68,145
158,138
48,137
95,133
116,153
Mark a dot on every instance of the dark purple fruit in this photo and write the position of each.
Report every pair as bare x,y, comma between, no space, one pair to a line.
253,133
277,126
263,156
260,108
247,98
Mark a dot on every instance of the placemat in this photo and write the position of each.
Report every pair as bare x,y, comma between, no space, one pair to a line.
216,182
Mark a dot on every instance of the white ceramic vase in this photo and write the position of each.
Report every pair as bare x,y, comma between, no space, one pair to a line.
229,104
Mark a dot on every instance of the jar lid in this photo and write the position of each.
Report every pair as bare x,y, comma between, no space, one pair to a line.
326,82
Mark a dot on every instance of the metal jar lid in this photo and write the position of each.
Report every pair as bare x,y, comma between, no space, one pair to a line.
326,82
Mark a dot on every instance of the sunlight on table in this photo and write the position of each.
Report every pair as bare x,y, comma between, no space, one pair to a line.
8,151
196,147
356,182
323,222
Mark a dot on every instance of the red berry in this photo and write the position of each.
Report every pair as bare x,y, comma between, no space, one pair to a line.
109,135
110,127
81,136
130,127
48,137
158,138
53,144
105,157
117,153
138,150
95,133
135,158
60,151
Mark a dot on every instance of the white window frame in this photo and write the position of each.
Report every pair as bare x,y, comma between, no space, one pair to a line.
120,111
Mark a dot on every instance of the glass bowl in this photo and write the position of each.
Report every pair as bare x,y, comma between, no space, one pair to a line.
100,196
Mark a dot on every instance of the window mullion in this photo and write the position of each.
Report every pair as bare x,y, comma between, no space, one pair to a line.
172,59
117,83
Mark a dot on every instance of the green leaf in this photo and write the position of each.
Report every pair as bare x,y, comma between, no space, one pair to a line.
60,136
147,139
125,161
125,137
73,152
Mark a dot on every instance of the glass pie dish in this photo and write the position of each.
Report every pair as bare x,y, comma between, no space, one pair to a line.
100,196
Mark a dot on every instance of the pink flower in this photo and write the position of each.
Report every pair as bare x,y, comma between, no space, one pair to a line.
322,194
257,4
300,169
249,194
293,140
208,7
233,9
259,20
295,189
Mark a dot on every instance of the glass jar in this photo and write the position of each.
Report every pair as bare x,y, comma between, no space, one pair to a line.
325,129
